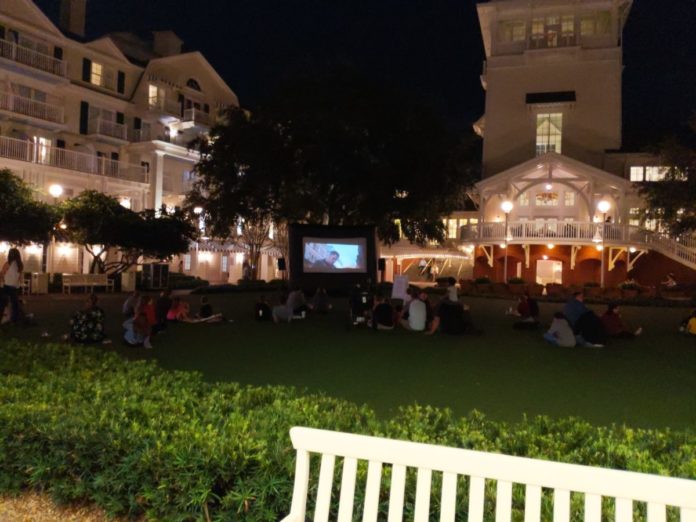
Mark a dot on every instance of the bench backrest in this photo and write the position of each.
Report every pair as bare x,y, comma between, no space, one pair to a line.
563,479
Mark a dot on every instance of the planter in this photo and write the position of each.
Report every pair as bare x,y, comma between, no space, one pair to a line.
592,291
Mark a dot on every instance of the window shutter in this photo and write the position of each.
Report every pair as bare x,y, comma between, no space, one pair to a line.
137,123
58,53
60,144
86,69
120,118
121,82
114,156
2,32
181,105
84,117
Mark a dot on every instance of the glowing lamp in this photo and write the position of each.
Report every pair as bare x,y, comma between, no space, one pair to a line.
550,246
548,186
197,210
603,206
506,206
55,190
503,245
632,250
600,248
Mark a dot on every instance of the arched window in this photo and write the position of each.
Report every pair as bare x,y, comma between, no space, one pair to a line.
193,84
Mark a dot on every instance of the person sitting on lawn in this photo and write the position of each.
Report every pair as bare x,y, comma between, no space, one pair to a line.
205,313
382,314
320,302
137,329
162,306
130,303
87,325
179,311
452,293
282,312
419,315
614,325
575,308
560,333
670,281
297,303
262,310
589,330
528,312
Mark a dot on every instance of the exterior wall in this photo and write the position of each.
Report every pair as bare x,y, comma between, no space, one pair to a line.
652,269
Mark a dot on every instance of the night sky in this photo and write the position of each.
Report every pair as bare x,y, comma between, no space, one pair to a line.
431,49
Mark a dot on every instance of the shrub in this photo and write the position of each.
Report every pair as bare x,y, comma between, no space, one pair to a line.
88,426
179,281
482,281
516,281
591,284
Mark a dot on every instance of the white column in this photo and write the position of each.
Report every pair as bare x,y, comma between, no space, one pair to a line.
158,180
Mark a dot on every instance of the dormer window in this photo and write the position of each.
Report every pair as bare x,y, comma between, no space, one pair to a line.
193,84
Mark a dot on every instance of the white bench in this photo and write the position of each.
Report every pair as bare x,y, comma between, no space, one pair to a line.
595,483
87,281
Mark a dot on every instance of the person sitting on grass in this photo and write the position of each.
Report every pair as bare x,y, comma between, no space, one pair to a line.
419,316
282,312
297,303
614,325
320,302
452,293
179,311
130,304
205,313
527,311
87,325
560,333
137,329
262,310
162,306
382,313
574,309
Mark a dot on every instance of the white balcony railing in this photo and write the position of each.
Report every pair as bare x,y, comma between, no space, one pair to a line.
27,107
22,150
165,105
682,249
196,116
139,135
35,59
108,128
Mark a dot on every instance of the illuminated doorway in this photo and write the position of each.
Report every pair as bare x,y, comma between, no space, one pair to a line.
549,272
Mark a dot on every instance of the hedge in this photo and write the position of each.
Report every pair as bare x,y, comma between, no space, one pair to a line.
88,426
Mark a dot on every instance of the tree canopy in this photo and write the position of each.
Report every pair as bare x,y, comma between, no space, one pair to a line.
334,149
22,219
672,201
100,223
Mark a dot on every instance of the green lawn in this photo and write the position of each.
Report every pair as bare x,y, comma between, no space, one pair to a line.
648,382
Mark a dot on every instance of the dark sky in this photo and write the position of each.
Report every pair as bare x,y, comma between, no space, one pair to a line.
431,49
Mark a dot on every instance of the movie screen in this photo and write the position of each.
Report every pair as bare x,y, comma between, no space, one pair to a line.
332,255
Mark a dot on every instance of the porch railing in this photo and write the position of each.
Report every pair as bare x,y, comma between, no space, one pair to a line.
581,232
35,59
108,128
165,105
31,152
196,116
32,108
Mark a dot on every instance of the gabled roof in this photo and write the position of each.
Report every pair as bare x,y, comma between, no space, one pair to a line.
107,46
553,166
27,11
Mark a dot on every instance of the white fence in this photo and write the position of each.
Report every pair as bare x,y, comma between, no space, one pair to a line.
196,116
31,152
108,128
37,60
33,108
544,483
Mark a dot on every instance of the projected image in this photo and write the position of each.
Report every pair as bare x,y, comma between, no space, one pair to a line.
326,255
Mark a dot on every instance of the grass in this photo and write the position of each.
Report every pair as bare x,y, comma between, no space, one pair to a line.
647,382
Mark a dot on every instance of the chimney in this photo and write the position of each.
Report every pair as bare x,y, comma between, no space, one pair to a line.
166,43
73,15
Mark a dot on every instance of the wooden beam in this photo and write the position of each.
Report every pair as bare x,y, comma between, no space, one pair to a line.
614,253
573,255
630,263
489,253
526,255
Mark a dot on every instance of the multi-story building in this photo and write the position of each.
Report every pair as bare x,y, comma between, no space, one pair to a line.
113,114
554,199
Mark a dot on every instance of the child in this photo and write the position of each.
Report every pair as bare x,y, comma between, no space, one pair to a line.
560,333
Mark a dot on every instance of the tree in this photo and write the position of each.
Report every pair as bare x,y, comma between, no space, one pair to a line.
333,149
23,219
101,224
672,201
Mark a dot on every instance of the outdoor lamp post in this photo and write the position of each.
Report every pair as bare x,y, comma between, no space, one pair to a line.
506,207
603,206
55,191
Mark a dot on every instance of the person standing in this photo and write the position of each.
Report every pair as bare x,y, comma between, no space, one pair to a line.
11,274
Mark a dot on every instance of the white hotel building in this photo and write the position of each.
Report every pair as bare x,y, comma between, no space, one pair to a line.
113,114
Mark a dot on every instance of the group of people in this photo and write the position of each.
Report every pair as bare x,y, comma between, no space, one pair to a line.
577,325
292,305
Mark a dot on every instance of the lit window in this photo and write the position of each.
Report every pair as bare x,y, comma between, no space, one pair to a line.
96,77
473,221
655,173
637,174
587,26
546,199
452,228
568,30
187,261
538,33
152,97
634,216
271,231
549,130
569,199
223,264
523,200
512,31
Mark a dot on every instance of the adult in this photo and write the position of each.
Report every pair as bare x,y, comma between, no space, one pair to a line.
575,308
670,281
179,311
419,315
282,312
11,275
87,324
528,312
382,314
584,322
320,301
452,318
262,310
614,325
206,314
452,293
560,333
162,306
130,304
137,329
297,302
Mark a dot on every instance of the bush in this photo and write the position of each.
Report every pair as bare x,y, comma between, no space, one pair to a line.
179,281
516,281
482,281
89,426
591,284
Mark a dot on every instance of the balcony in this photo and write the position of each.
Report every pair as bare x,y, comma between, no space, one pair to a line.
31,108
140,135
170,109
194,118
108,129
30,152
35,60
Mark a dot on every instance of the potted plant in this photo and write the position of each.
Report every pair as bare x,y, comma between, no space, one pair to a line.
629,289
517,286
483,285
592,289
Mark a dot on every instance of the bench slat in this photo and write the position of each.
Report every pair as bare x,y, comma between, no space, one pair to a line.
345,509
326,473
477,489
396,493
448,504
503,501
532,503
593,508
561,505
657,512
423,484
374,477
299,491
624,510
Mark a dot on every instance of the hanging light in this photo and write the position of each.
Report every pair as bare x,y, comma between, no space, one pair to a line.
550,246
548,186
55,190
599,248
